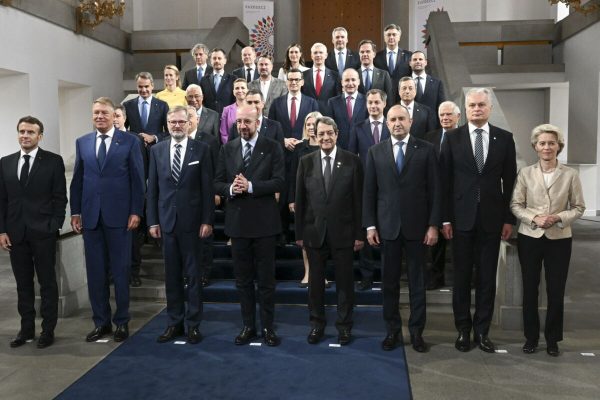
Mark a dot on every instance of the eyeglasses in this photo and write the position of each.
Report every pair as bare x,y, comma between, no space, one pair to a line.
294,80
175,123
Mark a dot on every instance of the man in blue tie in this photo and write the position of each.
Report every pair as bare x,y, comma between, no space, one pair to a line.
372,77
393,59
200,54
341,57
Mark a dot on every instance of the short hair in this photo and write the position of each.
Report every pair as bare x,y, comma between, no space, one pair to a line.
252,92
248,47
401,106
486,91
178,108
190,108
350,70
418,51
218,49
380,92
239,80
339,29
455,108
266,57
314,114
326,121
317,44
294,70
367,41
105,101
197,46
144,75
194,86
28,119
122,108
392,26
547,128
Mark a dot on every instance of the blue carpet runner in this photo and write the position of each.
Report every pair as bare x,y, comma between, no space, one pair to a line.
141,368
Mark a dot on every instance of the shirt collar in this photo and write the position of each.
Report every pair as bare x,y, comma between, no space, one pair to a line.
141,100
411,105
203,66
110,133
183,143
32,153
353,95
322,68
405,140
251,141
422,76
363,68
297,96
380,119
332,154
387,50
485,127
193,134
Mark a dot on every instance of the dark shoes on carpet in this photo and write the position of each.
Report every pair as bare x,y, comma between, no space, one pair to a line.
21,339
135,281
530,347
194,335
552,349
485,344
435,284
246,336
391,341
315,335
46,339
98,333
463,341
170,334
270,338
418,344
303,285
121,333
344,337
204,281
365,284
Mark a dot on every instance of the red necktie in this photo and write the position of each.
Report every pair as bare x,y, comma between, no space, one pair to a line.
319,83
293,113
349,107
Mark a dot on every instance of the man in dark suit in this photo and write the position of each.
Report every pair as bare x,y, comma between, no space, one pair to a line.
320,82
218,87
365,134
208,120
33,197
478,164
402,211
180,211
194,75
449,115
248,71
147,114
393,59
341,58
266,127
107,200
430,90
422,117
347,109
372,77
328,223
249,173
206,257
270,87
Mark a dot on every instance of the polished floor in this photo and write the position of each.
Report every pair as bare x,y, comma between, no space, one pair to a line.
443,373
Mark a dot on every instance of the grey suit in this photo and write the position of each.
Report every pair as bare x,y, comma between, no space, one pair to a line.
277,88
209,122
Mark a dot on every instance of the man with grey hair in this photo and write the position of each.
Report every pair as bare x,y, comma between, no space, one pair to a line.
200,54
248,71
478,162
393,59
320,82
328,208
449,115
208,120
341,58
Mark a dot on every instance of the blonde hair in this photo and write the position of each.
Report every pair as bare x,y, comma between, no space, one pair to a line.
176,70
316,115
547,128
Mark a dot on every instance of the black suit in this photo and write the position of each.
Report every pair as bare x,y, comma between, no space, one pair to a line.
31,215
401,66
476,224
216,100
252,221
179,209
191,76
402,206
329,221
423,120
157,118
241,73
352,60
268,128
380,80
433,95
331,87
336,109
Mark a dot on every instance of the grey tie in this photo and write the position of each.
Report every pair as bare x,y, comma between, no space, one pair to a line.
176,167
327,173
217,80
376,137
340,63
247,154
419,89
479,149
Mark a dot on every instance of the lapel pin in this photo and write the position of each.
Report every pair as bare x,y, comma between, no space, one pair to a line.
494,137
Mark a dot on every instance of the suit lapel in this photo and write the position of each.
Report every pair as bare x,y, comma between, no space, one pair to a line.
237,158
188,155
492,148
89,144
258,153
36,165
114,146
411,148
318,173
557,173
388,153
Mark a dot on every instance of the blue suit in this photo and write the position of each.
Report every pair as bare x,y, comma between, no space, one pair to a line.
361,138
157,117
330,88
217,100
336,109
105,197
279,113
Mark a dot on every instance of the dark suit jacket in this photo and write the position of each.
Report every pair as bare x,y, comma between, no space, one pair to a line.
268,128
423,120
433,95
337,215
213,144
218,100
331,87
279,113
434,137
252,215
191,76
40,204
209,122
157,117
461,180
352,60
115,191
401,67
408,202
361,138
190,202
336,109
241,73
382,81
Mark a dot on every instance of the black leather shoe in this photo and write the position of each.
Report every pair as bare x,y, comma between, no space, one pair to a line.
463,342
485,343
365,284
204,281
315,335
344,337
327,284
135,281
246,336
434,285
270,337
21,339
529,347
303,285
418,344
121,333
170,333
390,342
98,333
552,349
46,339
194,335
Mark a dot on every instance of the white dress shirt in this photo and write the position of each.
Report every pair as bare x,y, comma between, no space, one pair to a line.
289,104
410,107
353,97
396,147
183,144
422,82
485,136
32,155
264,87
323,162
107,141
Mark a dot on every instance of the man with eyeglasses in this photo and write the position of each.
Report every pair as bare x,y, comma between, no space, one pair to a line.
181,181
208,120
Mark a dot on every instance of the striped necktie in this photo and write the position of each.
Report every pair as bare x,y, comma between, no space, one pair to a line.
176,167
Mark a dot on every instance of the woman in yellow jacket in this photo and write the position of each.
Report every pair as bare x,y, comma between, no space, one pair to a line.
173,95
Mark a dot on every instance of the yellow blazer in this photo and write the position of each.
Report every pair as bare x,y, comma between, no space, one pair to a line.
562,197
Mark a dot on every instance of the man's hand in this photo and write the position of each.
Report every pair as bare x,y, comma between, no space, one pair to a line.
133,222
373,237
76,223
431,236
217,200
300,243
277,196
148,139
290,143
358,244
5,242
447,231
506,231
205,231
292,207
154,231
240,184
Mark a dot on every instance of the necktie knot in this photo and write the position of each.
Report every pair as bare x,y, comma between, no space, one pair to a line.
478,131
178,146
400,157
102,137
26,157
24,175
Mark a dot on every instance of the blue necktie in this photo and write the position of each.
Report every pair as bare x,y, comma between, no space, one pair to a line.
217,82
367,80
400,157
102,151
144,114
391,65
200,73
419,89
340,63
246,156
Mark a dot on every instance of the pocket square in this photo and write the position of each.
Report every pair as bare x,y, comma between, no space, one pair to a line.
194,162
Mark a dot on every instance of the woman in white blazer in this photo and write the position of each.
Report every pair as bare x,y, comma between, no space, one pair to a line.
547,198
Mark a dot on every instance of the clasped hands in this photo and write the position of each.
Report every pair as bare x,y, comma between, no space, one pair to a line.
546,221
240,184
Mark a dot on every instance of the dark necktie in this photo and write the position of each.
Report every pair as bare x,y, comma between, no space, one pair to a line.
327,173
367,80
293,112
391,65
176,167
400,157
144,114
249,75
102,151
318,83
200,73
24,170
479,149
247,154
419,89
376,132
